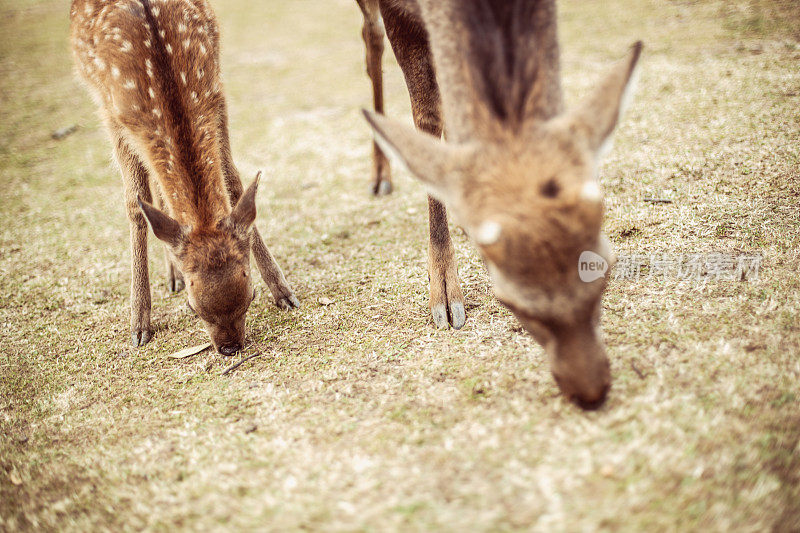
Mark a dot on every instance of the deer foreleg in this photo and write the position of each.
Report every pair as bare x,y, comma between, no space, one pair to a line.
175,281
414,57
136,184
272,274
372,33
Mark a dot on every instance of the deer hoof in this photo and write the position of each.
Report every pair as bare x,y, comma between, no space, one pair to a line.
458,316
141,337
287,303
382,188
439,312
175,285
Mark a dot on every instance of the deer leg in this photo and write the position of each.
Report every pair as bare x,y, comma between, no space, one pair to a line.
271,273
413,54
447,300
136,184
175,281
372,33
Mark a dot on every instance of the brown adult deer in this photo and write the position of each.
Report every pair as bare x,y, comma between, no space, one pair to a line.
517,172
153,68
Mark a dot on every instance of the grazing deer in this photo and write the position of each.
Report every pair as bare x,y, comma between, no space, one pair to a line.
153,68
517,172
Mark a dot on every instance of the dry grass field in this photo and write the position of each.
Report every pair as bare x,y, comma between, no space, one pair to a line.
359,415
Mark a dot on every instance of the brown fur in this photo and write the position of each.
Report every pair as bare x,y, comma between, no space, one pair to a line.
153,68
517,172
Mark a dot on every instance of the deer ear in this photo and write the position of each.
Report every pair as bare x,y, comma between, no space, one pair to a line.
598,115
436,164
244,214
164,227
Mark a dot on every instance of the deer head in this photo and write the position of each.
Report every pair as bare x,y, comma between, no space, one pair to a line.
529,198
215,263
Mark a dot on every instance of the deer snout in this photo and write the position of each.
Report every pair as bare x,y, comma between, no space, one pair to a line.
581,370
227,338
587,395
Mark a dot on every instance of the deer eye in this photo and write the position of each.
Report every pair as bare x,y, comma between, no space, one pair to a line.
550,188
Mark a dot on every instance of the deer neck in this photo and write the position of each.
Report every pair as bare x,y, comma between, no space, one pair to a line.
497,64
190,177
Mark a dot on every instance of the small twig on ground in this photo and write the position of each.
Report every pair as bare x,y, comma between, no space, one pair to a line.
658,200
240,363
635,369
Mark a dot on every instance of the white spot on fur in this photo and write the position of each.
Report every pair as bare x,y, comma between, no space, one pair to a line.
194,97
157,112
591,191
186,43
182,27
147,43
126,46
202,49
115,72
169,48
183,77
200,74
99,63
151,92
156,12
163,34
488,233
129,84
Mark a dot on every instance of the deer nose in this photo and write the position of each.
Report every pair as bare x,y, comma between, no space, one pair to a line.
593,401
229,348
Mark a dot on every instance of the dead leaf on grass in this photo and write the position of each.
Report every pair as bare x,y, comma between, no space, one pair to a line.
325,301
187,352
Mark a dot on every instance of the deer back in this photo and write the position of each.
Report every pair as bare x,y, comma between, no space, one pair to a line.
153,66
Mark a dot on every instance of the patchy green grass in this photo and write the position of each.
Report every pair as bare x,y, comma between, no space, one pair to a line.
359,415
